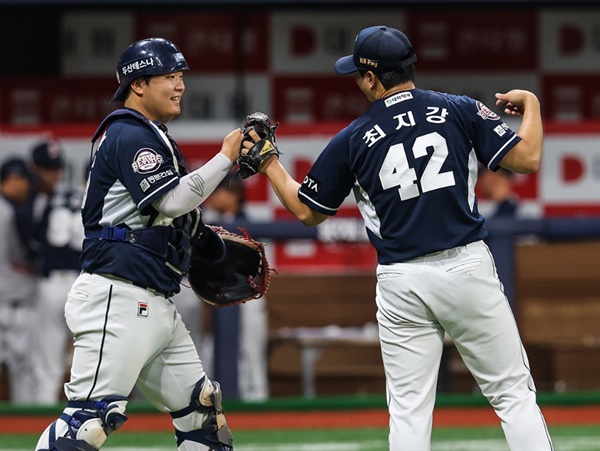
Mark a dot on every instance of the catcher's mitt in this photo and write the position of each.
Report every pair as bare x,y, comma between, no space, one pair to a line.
242,274
260,151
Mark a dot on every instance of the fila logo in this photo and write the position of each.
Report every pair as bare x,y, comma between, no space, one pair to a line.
142,309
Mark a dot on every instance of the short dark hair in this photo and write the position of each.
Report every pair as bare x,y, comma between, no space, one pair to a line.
235,184
390,79
128,89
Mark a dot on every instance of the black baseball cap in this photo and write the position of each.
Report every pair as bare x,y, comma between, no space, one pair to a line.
378,49
14,167
48,154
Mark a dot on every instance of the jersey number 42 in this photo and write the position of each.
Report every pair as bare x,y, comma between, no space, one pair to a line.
395,170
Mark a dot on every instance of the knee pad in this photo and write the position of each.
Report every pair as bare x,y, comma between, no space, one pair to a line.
89,426
214,432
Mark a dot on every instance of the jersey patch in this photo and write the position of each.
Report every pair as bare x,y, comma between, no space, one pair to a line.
144,185
400,97
485,113
151,179
311,183
146,160
501,129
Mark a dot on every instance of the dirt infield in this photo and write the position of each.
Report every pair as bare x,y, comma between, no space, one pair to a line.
443,417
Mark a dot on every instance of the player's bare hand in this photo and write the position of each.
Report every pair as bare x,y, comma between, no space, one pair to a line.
516,101
231,144
247,144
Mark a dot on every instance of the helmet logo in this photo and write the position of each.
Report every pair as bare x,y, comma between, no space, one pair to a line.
137,65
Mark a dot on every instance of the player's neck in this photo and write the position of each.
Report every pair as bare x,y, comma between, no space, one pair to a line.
398,88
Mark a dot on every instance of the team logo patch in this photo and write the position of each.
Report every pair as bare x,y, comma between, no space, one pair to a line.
142,309
146,160
485,113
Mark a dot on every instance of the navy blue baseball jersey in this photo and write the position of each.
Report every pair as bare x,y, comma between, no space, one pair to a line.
411,160
134,163
59,232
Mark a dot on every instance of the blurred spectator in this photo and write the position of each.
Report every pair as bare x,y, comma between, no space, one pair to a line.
225,207
226,204
48,164
17,281
58,240
498,188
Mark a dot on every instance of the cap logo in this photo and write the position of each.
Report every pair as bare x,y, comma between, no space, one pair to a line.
137,65
368,62
179,57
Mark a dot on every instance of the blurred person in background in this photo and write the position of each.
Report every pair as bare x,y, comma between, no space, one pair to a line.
225,207
17,281
498,188
58,239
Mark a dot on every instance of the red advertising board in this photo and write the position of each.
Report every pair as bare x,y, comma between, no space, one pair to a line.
317,98
43,100
212,42
571,97
505,40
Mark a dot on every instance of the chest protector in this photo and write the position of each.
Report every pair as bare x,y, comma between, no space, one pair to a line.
168,242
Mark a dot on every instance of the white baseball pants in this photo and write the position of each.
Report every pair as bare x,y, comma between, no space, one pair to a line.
457,291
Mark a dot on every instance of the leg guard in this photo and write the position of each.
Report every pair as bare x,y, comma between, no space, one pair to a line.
85,425
214,432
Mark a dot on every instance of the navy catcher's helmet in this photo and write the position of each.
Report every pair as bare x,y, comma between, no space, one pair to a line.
153,56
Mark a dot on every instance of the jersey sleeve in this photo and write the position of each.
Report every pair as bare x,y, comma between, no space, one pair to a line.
492,137
330,179
146,165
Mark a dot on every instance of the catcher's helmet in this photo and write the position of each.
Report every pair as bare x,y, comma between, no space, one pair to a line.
153,56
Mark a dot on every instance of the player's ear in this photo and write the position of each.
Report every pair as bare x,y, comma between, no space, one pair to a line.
137,85
371,77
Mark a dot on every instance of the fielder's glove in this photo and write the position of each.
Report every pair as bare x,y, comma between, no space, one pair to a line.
263,149
240,274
